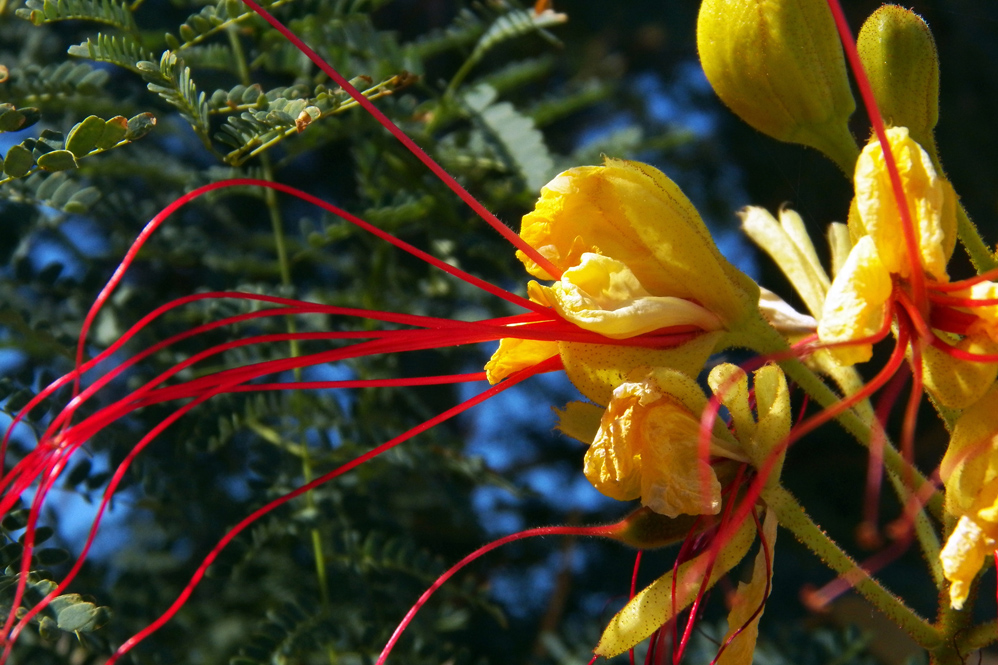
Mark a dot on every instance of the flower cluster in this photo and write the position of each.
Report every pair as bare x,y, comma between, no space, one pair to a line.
638,267
634,302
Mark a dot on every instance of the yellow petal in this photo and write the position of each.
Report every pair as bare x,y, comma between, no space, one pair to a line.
633,213
597,369
772,398
749,598
516,354
649,609
603,295
579,420
854,306
648,446
930,200
789,246
987,315
957,383
962,558
971,460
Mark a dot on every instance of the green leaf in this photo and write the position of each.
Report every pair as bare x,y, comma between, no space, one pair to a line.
12,119
18,161
76,615
140,125
83,137
114,131
57,160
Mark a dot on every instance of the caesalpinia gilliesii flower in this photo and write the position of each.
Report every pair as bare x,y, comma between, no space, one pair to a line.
636,258
648,446
855,305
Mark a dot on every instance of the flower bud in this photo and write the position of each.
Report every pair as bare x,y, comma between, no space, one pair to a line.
900,59
778,64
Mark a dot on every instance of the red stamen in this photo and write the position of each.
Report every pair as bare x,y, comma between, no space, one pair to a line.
868,532
485,549
383,120
917,277
634,587
231,534
962,284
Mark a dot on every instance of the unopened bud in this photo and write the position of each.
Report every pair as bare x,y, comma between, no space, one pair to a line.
778,64
900,59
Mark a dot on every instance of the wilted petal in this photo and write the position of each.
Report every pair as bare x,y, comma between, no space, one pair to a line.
648,446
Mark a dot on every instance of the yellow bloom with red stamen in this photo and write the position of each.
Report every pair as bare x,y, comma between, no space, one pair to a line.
635,258
856,298
970,472
648,446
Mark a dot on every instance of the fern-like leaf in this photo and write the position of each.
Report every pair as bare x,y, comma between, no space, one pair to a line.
172,81
120,50
516,135
110,12
508,26
282,113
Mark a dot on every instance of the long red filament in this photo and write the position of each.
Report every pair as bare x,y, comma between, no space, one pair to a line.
382,119
917,277
485,549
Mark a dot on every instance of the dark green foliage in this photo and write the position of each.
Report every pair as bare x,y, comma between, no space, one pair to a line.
224,96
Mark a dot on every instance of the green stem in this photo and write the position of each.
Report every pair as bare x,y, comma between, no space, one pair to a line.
280,246
979,253
764,339
792,517
979,637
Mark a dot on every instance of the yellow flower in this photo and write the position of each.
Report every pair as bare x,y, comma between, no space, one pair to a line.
633,213
647,446
635,258
853,307
970,472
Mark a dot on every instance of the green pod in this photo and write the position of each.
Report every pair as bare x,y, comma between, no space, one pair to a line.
778,64
900,59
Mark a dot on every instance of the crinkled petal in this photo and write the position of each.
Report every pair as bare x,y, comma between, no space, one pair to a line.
962,558
854,306
603,295
929,198
648,446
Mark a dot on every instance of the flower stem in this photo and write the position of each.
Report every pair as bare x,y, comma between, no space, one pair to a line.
793,517
979,253
764,339
280,247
